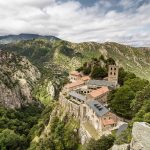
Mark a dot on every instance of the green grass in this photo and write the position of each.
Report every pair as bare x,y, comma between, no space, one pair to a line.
92,131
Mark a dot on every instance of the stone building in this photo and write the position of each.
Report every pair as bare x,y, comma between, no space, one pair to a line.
74,76
72,102
113,71
86,99
85,79
84,90
99,94
73,86
96,84
98,115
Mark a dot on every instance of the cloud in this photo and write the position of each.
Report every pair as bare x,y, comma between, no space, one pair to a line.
123,21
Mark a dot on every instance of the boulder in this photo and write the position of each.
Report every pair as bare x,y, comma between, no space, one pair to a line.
140,136
121,147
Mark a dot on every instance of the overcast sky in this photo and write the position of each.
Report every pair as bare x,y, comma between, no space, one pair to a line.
123,21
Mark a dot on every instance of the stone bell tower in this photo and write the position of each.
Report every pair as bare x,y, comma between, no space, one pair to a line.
113,73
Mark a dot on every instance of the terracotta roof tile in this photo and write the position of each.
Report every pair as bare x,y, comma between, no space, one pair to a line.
108,122
74,84
98,92
75,73
85,78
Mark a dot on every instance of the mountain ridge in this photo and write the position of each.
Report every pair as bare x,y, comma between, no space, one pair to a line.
30,36
51,60
69,56
23,36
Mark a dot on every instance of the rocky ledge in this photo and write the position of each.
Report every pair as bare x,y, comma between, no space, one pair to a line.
140,138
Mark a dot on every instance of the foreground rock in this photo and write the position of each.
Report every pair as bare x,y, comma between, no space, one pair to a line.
121,147
140,136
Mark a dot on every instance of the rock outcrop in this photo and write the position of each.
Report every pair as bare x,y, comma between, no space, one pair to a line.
51,89
140,136
17,79
121,147
84,135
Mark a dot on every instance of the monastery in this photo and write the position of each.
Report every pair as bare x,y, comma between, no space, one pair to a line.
86,99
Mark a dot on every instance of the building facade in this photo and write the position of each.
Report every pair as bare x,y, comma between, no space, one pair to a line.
86,99
113,71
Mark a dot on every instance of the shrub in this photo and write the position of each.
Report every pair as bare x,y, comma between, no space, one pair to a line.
104,143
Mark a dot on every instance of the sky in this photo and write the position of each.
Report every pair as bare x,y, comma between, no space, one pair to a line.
122,21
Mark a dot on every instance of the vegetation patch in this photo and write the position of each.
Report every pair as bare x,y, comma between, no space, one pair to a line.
15,126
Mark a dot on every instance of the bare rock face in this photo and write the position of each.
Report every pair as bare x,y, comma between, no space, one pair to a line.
121,147
10,97
51,89
140,136
84,135
17,79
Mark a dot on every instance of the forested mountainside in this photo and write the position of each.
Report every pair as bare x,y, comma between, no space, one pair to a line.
28,112
68,56
32,84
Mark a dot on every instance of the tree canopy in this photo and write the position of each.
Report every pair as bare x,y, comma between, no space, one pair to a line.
104,143
123,99
9,140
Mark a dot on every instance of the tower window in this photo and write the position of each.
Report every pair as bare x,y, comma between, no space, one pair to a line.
110,73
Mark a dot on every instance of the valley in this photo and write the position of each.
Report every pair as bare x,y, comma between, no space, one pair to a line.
33,73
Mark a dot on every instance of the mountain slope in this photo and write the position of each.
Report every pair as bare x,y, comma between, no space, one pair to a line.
65,56
17,79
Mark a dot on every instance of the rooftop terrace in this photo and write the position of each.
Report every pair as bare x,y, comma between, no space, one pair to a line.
77,95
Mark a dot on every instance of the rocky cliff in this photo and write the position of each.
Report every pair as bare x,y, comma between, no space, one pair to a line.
17,79
140,138
121,147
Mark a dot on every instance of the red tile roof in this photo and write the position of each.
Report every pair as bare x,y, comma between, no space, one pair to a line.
74,84
99,92
85,78
108,122
75,73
